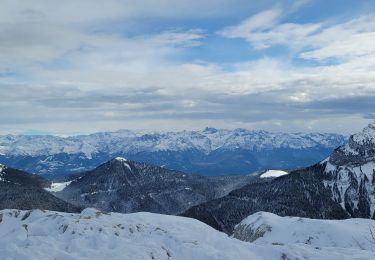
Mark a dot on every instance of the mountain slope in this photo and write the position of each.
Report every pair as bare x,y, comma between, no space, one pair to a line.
94,235
126,186
22,190
341,186
205,152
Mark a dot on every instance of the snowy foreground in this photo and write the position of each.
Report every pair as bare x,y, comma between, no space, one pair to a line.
94,235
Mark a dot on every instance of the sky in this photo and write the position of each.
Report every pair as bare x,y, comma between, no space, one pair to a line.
73,67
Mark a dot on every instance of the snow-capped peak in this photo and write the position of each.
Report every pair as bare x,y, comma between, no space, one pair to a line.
121,159
366,136
124,161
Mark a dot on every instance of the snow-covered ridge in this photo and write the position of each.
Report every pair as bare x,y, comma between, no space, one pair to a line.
266,229
95,235
367,135
126,141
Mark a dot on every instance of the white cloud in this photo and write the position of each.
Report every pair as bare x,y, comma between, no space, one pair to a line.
344,41
259,22
341,41
264,30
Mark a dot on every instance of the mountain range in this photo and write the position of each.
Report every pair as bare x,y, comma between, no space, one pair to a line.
340,186
207,152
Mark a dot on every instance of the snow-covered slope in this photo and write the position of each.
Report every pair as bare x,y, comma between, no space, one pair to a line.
265,228
205,152
58,186
94,235
273,174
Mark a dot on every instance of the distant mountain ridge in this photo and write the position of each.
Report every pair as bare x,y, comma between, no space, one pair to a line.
208,152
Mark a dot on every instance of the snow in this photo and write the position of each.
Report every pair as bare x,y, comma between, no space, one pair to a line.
58,186
367,135
273,174
95,235
121,159
2,167
352,167
124,161
330,167
342,179
267,229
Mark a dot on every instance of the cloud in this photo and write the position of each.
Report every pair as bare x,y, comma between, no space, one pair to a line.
65,68
344,41
314,41
264,30
259,22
